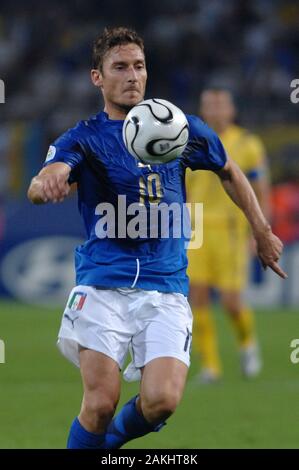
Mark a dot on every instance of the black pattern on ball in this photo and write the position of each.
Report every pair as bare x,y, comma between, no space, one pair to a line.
167,120
150,145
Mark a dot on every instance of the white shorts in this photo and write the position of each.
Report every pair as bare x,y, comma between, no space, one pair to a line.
149,324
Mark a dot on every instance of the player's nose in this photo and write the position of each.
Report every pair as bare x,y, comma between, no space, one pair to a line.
132,74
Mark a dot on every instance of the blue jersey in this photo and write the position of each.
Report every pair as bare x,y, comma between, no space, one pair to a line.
112,182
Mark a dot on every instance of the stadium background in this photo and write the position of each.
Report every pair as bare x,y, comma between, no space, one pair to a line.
250,47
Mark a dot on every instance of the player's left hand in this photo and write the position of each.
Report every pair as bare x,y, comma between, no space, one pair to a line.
269,249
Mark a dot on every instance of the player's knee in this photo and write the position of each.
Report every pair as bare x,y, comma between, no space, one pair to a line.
232,307
159,407
99,409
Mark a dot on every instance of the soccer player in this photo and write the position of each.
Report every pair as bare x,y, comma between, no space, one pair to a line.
222,261
131,293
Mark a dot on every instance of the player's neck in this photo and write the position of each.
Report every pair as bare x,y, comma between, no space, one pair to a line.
221,128
115,113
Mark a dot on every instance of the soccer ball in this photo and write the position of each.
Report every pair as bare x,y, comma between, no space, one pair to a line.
155,131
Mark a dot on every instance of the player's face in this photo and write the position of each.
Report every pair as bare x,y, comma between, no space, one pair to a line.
217,108
123,77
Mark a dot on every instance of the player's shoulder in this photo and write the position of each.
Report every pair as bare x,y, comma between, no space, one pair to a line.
197,127
248,135
194,121
252,149
82,130
89,125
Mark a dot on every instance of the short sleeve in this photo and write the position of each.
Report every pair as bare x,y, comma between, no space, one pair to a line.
204,150
69,149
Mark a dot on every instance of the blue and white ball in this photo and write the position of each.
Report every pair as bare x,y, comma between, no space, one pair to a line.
155,131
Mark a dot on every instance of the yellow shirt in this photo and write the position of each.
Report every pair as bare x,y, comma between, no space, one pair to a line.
204,186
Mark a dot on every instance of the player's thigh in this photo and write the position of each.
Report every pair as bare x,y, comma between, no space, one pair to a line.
230,260
232,273
100,375
199,265
163,380
100,322
165,329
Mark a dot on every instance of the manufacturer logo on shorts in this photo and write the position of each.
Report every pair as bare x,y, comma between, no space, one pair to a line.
77,301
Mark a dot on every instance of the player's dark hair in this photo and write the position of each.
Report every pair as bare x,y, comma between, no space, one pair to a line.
112,37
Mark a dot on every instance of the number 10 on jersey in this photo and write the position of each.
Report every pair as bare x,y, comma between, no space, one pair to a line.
150,189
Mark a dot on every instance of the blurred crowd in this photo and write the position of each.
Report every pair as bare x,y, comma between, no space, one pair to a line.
249,46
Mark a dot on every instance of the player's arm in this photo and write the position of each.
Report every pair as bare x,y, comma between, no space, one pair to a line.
51,184
261,187
237,186
60,169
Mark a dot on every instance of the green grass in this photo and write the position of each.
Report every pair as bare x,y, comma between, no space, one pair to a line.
40,391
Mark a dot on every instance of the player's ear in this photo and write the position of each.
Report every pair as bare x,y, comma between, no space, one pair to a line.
96,78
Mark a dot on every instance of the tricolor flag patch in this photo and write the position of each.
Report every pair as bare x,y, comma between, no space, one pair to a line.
77,301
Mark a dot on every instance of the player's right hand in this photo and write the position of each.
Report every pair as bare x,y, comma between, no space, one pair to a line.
269,249
50,185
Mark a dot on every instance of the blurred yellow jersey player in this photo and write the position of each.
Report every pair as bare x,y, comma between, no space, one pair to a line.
222,260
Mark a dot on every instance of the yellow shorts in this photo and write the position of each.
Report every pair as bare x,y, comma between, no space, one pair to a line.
222,261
